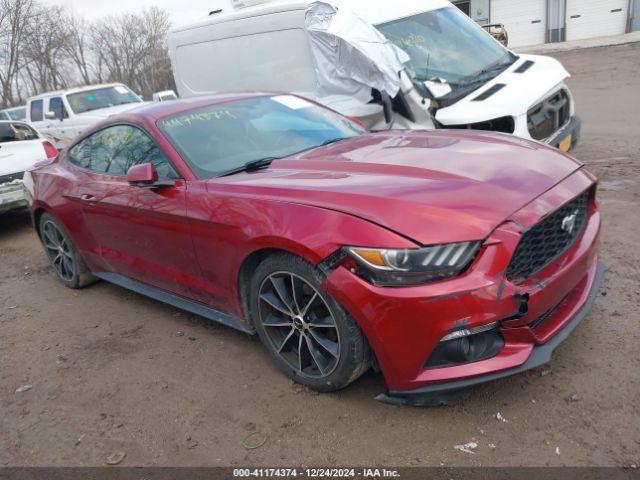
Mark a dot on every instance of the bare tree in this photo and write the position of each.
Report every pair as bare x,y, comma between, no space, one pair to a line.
131,48
77,46
14,20
45,48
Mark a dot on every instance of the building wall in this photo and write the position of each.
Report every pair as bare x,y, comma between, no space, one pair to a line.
532,22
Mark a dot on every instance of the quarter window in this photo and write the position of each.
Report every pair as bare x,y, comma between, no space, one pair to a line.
116,149
36,111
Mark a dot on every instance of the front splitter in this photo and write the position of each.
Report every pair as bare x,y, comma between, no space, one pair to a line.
450,393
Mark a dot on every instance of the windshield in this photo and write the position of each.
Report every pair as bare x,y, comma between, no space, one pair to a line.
222,138
101,98
17,113
446,44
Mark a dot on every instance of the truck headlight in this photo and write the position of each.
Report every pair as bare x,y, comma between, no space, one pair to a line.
389,267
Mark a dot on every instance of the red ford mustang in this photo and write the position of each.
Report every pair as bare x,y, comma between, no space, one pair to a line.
443,258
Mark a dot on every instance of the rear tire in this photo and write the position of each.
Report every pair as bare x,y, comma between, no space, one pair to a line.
310,337
63,254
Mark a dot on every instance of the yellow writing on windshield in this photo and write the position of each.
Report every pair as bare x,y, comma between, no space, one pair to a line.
411,40
197,117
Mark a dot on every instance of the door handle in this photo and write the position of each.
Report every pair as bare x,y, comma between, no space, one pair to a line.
86,197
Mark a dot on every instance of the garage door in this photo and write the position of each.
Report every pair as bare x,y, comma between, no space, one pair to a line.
595,18
524,19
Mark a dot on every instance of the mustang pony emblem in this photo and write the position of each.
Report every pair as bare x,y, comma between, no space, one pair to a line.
569,222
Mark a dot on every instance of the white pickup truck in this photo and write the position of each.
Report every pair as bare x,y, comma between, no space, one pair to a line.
62,115
21,147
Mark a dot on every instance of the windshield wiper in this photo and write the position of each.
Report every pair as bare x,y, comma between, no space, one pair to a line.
265,162
251,166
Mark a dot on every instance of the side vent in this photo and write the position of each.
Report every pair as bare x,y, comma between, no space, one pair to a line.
524,67
488,93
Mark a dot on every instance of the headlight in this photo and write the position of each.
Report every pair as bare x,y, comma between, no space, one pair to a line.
413,267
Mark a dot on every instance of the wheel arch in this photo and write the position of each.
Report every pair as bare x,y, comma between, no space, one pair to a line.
36,215
257,256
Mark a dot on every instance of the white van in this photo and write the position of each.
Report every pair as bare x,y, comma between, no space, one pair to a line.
414,64
63,115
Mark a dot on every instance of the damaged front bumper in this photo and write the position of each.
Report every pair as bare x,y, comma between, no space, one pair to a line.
405,326
448,392
12,196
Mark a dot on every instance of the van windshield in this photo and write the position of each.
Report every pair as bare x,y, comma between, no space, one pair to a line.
101,98
446,44
219,139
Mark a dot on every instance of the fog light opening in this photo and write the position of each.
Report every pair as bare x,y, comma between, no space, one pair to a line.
467,346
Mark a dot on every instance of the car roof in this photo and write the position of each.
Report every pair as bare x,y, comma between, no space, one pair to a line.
373,11
68,91
158,110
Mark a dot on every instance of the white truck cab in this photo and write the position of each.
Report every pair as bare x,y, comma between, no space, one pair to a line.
412,64
63,115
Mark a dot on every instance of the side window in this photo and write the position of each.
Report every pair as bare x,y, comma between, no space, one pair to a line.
36,114
80,154
115,150
57,106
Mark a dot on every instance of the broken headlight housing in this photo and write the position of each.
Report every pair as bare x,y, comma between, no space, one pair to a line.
390,267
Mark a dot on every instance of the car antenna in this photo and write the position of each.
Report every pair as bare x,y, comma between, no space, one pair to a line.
215,12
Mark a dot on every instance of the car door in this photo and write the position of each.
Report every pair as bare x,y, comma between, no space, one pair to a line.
36,115
58,127
142,232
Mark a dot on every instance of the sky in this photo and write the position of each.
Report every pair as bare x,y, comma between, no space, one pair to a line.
181,11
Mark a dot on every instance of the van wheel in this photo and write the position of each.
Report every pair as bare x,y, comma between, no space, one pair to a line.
308,334
63,255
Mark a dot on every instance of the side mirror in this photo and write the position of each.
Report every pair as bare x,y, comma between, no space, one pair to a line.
142,175
50,115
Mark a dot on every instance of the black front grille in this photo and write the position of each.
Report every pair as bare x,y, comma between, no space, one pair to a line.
549,239
11,177
547,117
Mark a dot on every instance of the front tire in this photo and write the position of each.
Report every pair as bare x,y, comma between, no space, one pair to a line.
311,338
63,254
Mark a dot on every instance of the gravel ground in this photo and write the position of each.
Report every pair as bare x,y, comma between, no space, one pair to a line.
112,371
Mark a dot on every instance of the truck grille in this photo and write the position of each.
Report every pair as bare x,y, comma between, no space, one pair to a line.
549,239
11,177
547,117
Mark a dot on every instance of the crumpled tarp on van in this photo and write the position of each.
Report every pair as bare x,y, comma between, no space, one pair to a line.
351,56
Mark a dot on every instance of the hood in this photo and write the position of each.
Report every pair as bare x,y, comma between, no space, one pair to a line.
520,92
104,113
432,187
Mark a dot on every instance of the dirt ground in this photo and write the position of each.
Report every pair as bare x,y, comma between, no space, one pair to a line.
115,372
